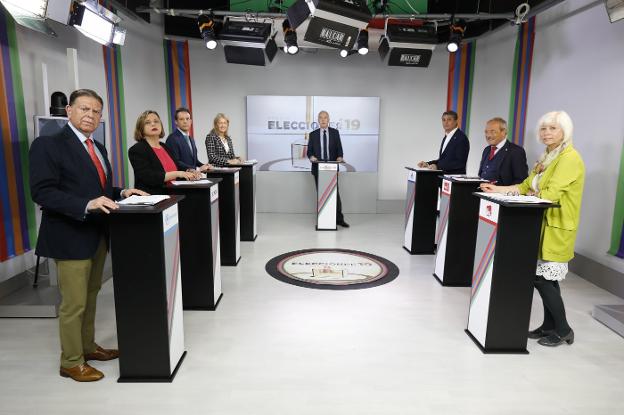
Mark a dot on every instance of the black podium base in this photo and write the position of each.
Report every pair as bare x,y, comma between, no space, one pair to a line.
450,284
167,379
495,351
420,253
203,307
230,264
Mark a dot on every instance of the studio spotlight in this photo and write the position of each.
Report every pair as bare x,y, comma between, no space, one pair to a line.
362,42
95,22
206,25
290,38
333,23
248,43
407,45
344,53
455,38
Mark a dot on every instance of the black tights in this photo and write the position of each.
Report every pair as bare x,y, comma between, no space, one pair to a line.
554,310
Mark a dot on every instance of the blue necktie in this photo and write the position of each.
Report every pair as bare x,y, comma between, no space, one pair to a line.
325,157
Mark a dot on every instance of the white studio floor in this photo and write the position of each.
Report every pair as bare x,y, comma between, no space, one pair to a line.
273,348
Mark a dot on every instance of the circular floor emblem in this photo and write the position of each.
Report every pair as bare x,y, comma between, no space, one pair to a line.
334,269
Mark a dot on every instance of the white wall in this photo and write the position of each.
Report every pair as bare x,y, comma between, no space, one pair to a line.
412,101
578,66
491,89
144,80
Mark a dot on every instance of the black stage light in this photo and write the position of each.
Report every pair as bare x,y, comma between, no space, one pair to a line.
455,37
362,42
334,23
58,102
407,45
248,43
206,25
290,38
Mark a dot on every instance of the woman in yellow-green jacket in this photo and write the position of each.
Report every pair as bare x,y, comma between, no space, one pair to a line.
559,176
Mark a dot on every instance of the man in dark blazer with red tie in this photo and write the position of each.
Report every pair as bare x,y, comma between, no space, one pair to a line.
324,145
71,179
502,161
454,149
182,145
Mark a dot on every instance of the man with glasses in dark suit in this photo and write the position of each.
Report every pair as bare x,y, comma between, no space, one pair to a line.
325,145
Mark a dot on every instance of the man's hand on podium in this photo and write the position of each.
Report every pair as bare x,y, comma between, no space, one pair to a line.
340,160
313,159
101,203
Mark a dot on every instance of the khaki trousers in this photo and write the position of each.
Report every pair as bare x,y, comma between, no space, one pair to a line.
79,282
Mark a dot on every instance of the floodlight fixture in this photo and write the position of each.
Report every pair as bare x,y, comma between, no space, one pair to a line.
333,23
407,45
248,42
362,42
290,38
206,24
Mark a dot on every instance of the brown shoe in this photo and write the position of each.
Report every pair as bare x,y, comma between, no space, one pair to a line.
82,373
102,354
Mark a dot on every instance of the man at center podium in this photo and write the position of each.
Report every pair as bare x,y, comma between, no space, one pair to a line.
325,145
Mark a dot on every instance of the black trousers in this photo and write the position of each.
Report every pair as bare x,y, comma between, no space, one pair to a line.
339,216
554,310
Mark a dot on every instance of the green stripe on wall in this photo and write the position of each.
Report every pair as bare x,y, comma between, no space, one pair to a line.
122,115
20,111
618,213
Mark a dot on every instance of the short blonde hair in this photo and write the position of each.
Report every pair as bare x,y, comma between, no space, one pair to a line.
563,120
216,120
140,123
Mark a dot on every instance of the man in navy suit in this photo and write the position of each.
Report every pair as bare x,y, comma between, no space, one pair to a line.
325,145
454,149
182,145
70,178
502,161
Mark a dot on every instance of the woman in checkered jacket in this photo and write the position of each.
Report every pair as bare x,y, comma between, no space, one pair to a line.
219,144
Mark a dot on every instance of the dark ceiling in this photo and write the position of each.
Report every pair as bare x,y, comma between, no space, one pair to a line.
475,27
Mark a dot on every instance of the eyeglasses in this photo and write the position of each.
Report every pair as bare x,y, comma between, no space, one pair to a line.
84,110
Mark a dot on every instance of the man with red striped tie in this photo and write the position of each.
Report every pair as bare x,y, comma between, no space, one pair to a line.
502,161
71,179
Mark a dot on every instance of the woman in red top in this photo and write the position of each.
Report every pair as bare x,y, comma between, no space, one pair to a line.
151,160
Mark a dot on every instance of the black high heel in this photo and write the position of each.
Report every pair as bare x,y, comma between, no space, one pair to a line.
538,333
554,339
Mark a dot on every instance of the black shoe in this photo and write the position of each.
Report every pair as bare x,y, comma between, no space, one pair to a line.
538,333
343,224
554,339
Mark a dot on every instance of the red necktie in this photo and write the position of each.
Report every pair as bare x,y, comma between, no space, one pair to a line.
492,152
96,162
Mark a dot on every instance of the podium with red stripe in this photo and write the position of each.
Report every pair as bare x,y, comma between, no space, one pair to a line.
505,261
457,231
327,195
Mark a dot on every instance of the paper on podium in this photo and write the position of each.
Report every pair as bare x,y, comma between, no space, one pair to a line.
190,182
514,199
253,161
464,178
143,200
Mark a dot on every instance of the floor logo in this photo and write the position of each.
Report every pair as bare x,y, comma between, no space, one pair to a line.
337,269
